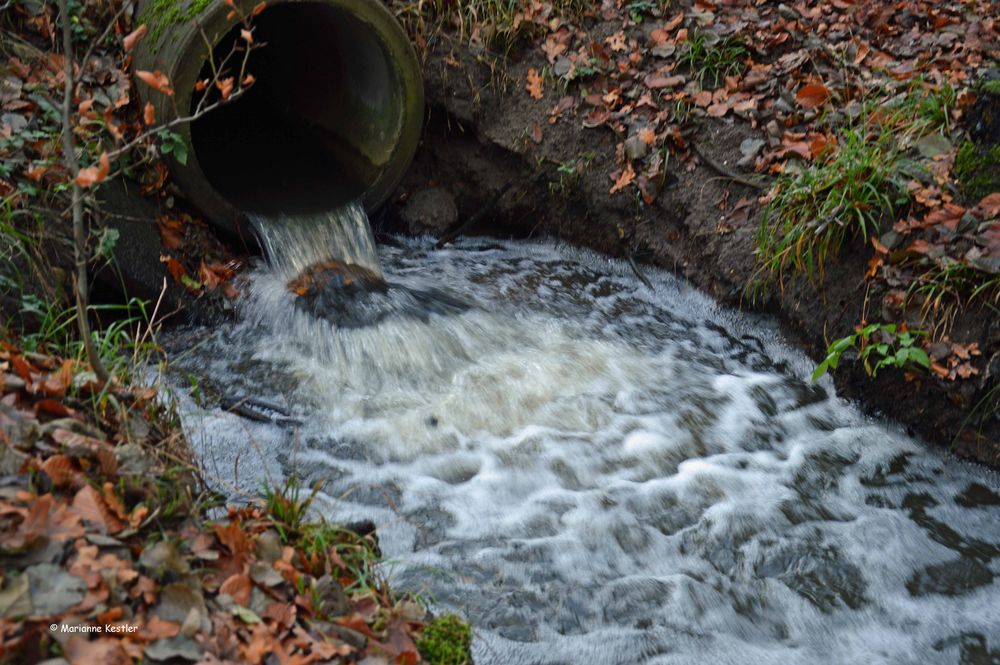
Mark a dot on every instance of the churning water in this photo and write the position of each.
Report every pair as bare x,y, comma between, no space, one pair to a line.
596,472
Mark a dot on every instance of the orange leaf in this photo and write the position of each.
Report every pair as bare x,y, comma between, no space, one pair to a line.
647,135
59,381
59,469
702,98
90,506
258,9
54,407
171,232
812,95
624,180
873,266
133,37
657,82
238,588
93,175
175,269
990,204
148,114
37,173
156,80
247,36
718,110
225,87
534,85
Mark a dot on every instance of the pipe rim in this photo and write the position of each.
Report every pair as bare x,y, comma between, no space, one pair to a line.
187,42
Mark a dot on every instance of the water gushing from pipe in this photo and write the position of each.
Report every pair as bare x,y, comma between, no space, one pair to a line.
597,472
294,243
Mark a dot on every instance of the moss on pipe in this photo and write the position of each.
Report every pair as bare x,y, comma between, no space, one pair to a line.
161,14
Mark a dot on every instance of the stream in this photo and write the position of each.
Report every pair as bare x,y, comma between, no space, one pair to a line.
590,470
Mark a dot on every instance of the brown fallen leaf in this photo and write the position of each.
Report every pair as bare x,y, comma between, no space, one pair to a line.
238,587
624,180
91,507
812,95
60,470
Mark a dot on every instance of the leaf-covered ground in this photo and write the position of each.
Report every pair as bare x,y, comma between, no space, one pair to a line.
871,131
110,552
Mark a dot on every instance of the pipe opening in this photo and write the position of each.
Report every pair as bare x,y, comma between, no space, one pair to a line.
320,123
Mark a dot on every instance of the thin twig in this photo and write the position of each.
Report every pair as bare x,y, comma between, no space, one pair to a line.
638,273
79,233
723,171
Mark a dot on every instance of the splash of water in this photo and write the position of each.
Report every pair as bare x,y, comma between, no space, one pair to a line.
293,243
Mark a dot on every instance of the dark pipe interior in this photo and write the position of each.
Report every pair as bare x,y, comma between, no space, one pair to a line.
290,142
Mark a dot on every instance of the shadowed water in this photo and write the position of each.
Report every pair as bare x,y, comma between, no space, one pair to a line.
595,472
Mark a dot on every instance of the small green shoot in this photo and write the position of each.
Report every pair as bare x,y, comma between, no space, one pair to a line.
879,343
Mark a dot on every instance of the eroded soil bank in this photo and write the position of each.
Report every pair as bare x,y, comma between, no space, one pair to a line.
492,163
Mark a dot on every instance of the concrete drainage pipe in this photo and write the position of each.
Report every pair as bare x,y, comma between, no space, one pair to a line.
335,112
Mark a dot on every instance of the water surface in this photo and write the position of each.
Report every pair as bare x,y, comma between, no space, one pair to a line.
597,472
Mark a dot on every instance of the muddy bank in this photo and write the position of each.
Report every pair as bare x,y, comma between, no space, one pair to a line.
491,162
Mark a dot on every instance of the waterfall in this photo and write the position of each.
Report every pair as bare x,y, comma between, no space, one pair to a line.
293,243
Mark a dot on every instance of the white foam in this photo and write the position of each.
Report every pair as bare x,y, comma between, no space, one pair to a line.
598,472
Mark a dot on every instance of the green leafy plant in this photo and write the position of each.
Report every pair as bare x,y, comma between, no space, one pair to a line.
879,345
171,143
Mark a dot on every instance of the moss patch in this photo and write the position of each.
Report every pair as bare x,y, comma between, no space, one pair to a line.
446,641
978,169
164,13
990,87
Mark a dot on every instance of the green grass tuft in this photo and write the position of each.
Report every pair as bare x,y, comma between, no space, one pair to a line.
711,58
847,193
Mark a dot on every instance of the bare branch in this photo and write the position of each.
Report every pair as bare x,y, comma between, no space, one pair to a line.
79,233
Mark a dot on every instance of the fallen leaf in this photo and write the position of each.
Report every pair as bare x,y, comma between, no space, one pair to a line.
59,469
536,133
658,82
238,587
718,110
624,180
91,507
104,650
812,95
534,85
